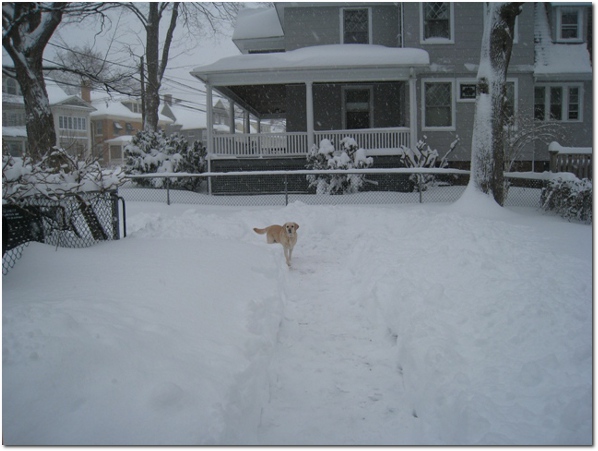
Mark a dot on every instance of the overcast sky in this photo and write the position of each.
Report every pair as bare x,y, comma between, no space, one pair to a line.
124,30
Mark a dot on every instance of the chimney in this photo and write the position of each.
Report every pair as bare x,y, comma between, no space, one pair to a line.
168,99
86,90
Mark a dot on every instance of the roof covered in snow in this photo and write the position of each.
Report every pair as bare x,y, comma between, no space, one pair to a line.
337,62
56,96
571,61
257,23
188,117
15,132
113,107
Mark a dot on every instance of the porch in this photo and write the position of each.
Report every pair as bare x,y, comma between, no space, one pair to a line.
298,143
366,92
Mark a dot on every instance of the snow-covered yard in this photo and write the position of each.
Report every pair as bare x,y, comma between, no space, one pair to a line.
398,324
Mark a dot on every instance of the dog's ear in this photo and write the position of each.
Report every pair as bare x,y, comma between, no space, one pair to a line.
296,225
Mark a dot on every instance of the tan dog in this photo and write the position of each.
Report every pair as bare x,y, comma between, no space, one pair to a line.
285,234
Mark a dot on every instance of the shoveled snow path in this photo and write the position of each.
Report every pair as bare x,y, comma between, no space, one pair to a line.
332,357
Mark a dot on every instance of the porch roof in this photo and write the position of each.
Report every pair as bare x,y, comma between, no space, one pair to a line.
248,78
323,63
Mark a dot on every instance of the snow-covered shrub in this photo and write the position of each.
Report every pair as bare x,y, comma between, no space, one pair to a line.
154,153
570,198
57,174
423,156
349,156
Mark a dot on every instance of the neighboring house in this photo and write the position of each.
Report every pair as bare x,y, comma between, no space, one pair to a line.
390,74
71,119
190,122
115,120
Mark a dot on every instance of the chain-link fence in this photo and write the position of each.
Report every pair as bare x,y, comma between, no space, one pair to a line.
264,188
76,220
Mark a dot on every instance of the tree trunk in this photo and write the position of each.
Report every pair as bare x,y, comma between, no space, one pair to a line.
41,134
152,52
27,28
487,162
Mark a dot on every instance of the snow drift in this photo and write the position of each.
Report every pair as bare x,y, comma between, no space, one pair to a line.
397,325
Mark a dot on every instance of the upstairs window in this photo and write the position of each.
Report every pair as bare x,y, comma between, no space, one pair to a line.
569,24
72,123
356,26
437,22
10,86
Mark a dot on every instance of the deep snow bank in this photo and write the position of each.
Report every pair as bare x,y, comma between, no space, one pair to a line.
150,340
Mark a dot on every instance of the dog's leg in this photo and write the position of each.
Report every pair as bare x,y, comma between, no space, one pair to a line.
287,256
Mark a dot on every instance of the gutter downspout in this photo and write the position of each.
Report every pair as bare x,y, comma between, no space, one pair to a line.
309,103
209,127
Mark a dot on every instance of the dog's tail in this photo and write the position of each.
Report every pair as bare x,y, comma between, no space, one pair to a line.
260,231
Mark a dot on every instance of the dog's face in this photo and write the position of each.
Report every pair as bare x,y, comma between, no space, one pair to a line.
290,228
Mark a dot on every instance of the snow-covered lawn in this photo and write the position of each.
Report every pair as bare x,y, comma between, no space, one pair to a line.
398,324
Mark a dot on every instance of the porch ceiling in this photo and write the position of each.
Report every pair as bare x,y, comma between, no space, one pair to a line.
264,101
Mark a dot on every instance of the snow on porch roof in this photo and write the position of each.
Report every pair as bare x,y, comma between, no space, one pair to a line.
318,58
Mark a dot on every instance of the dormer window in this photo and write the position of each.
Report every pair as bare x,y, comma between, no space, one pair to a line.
356,25
569,24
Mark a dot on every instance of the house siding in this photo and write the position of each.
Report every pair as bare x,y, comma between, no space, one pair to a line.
324,25
454,61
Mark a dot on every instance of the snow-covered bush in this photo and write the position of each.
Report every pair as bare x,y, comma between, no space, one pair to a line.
349,156
154,153
54,176
570,198
423,156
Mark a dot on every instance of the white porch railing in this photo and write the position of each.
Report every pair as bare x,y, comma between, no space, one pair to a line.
296,143
253,144
368,138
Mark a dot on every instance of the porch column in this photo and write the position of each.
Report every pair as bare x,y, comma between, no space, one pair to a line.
247,120
309,111
209,119
412,110
231,115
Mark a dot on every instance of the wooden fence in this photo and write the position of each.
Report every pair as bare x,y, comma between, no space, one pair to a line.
577,160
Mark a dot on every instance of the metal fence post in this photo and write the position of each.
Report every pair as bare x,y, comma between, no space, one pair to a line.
286,190
167,191
419,185
115,218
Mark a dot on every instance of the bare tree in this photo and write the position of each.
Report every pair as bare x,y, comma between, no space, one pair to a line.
72,66
487,160
155,59
26,30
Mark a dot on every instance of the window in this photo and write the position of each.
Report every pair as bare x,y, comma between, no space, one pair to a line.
358,104
438,104
99,128
557,103
355,26
13,118
72,123
10,86
437,22
569,24
116,153
117,128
